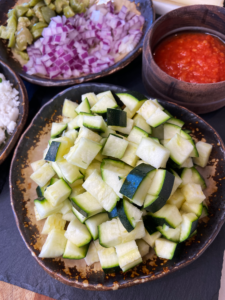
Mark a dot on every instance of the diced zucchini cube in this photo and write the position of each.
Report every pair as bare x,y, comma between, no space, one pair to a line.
67,207
151,238
84,106
176,199
193,193
45,208
57,192
180,149
164,248
86,204
143,247
140,122
83,153
101,191
204,151
101,106
147,109
109,233
130,156
54,221
115,147
93,223
92,254
43,175
136,135
57,129
70,172
88,134
74,252
54,245
157,118
95,123
69,109
92,99
37,164
108,259
58,148
153,153
78,233
72,135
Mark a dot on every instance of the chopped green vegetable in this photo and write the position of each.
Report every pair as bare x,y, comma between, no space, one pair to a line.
68,12
47,13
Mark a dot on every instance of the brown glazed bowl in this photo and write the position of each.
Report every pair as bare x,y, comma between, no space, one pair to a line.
200,98
75,272
145,7
11,140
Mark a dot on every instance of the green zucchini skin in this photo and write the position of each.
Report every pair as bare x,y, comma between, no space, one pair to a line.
116,117
113,214
52,151
134,179
111,270
81,211
164,193
122,216
150,224
136,95
39,192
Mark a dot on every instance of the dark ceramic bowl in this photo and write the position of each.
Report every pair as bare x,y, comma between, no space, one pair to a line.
75,272
145,7
200,98
11,140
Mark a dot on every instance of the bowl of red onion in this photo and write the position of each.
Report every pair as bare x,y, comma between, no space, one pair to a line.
103,39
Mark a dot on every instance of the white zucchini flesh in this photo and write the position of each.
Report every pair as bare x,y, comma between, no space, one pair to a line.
72,135
79,216
151,238
88,134
188,163
101,191
37,164
164,248
192,208
76,123
137,233
101,106
92,254
114,180
124,130
84,106
176,199
180,149
74,252
83,153
108,258
170,130
136,135
157,118
186,225
109,233
43,174
134,215
70,172
147,109
54,221
204,151
92,223
69,109
57,129
95,123
38,218
128,255
171,234
45,208
143,247
170,213
140,122
177,182
78,233
69,216
86,204
115,147
92,99
106,93
95,165
130,156
57,192
153,153
193,193
54,245
56,168
130,113
67,206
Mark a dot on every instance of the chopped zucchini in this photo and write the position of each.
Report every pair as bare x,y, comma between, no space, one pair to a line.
54,245
42,176
78,233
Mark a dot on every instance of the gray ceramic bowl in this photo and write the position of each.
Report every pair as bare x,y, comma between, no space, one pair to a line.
11,140
144,6
75,272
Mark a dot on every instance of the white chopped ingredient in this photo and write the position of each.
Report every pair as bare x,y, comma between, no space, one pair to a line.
9,111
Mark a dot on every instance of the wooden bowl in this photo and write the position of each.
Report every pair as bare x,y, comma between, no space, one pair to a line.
11,140
75,272
200,98
145,7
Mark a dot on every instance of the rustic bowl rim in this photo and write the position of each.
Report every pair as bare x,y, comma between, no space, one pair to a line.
147,278
18,130
170,15
44,81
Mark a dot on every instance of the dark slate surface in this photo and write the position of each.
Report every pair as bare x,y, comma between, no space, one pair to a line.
198,281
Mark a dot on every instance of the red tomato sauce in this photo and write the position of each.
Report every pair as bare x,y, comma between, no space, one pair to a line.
192,57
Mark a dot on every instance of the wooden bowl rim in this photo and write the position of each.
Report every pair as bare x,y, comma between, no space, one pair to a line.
100,287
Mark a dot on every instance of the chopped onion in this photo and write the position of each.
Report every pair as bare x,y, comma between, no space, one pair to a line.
86,43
